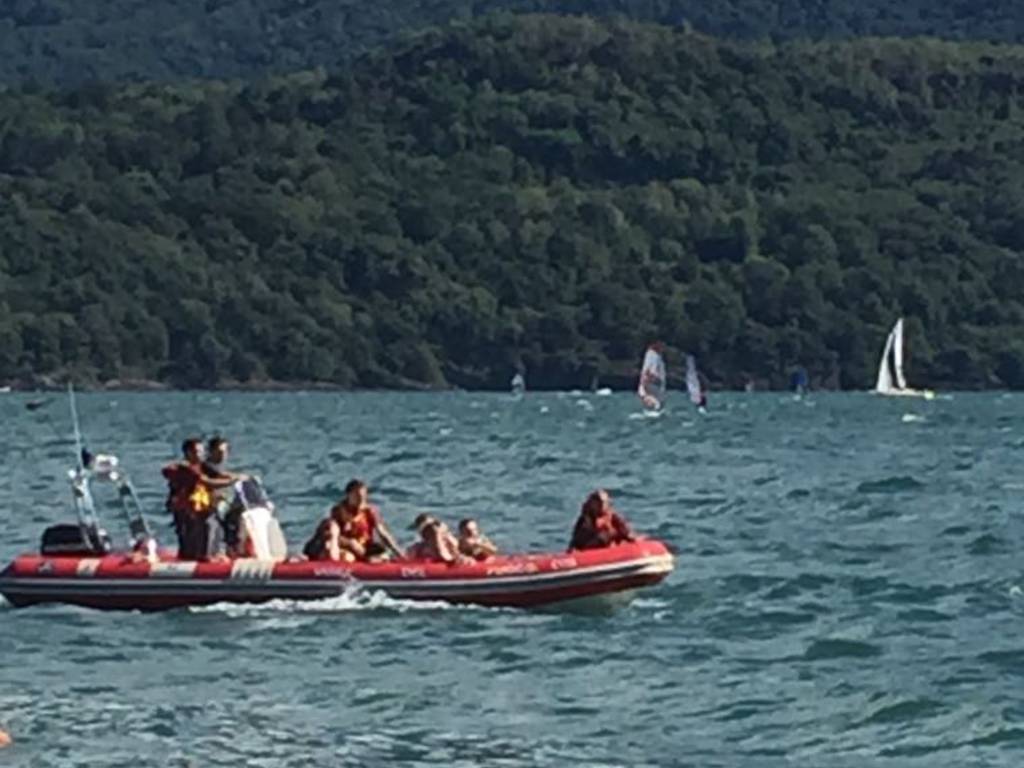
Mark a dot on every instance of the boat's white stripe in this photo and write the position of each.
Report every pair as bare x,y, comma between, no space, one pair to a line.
177,570
87,566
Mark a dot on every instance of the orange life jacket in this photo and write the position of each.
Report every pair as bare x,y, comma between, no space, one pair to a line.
361,527
187,493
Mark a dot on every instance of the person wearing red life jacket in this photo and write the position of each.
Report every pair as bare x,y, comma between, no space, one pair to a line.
599,525
190,499
353,531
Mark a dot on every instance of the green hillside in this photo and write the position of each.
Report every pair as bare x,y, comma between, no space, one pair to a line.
539,190
70,41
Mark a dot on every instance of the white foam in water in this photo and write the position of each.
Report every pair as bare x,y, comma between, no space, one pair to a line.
912,418
1016,591
352,599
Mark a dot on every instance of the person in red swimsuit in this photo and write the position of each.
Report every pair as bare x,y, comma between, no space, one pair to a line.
599,525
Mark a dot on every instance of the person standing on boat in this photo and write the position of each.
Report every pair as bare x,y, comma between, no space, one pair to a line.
190,500
217,449
599,525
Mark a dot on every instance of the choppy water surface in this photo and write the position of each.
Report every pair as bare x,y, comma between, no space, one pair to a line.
846,591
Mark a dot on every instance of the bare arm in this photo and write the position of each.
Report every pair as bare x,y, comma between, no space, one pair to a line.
333,543
220,482
486,547
388,539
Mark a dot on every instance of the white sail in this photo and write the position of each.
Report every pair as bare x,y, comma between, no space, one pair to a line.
652,385
693,381
884,383
897,354
518,384
891,380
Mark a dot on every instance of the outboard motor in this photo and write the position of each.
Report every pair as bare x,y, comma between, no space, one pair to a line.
250,518
72,540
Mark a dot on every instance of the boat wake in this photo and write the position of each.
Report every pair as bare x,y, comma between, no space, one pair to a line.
352,599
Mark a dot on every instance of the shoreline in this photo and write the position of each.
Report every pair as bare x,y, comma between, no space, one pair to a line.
153,387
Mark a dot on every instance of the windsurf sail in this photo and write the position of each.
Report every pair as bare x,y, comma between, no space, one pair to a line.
894,341
518,384
897,354
653,379
693,382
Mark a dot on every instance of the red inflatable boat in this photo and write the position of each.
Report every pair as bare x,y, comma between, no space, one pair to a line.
117,581
77,565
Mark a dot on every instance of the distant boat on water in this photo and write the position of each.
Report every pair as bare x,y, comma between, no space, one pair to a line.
891,381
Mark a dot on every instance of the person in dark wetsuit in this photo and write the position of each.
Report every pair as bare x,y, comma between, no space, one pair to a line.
190,500
599,525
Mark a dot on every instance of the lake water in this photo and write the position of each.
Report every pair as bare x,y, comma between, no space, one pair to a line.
846,591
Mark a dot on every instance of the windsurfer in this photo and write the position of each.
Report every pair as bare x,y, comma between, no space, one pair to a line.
652,376
599,525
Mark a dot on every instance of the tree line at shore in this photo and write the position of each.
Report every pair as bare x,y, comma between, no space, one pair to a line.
531,191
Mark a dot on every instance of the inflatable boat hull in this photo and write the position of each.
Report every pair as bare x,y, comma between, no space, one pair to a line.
115,582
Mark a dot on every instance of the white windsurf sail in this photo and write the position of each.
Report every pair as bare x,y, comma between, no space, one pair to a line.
884,384
897,354
693,381
653,380
518,384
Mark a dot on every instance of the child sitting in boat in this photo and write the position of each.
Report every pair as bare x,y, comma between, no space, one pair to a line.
599,525
436,544
472,543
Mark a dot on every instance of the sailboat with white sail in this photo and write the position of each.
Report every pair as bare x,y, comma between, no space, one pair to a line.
693,385
653,379
891,381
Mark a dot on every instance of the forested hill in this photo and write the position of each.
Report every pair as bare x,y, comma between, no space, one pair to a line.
69,41
527,190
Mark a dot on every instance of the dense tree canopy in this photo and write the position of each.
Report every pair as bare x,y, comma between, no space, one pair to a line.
69,41
538,190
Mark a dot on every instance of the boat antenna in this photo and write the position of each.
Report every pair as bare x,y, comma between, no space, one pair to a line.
80,452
